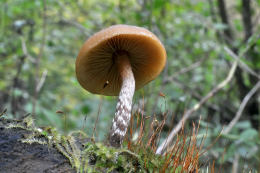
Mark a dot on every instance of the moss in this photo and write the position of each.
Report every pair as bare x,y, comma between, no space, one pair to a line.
97,157
110,159
83,156
87,156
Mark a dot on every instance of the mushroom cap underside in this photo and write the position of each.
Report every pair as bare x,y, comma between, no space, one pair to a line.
96,69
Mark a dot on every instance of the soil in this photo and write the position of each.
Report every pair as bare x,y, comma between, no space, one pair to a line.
22,157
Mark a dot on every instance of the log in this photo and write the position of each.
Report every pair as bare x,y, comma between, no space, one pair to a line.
19,153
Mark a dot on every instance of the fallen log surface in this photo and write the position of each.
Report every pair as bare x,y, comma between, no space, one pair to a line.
20,156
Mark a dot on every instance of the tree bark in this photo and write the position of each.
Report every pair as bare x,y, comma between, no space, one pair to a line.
21,157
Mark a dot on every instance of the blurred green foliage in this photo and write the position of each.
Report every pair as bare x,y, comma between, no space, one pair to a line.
193,33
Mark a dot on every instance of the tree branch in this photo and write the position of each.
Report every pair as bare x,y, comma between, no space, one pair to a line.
181,123
76,25
25,51
241,108
42,80
241,63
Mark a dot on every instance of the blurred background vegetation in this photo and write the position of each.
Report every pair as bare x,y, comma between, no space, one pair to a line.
39,42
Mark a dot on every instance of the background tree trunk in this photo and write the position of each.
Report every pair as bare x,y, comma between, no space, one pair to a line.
252,109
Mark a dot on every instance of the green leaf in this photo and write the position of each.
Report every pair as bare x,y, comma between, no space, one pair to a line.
243,125
248,134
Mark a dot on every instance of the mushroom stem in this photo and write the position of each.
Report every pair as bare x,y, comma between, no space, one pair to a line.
124,104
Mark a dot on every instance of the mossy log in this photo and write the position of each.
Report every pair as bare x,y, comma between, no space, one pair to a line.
18,154
24,148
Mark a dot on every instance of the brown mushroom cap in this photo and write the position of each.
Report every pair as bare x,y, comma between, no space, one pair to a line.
95,64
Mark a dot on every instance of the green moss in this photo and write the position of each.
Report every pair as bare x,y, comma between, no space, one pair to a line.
97,157
87,156
110,159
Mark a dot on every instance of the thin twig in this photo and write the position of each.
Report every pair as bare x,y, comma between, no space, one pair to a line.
184,70
77,25
241,63
174,131
196,95
25,51
241,108
3,112
38,60
42,80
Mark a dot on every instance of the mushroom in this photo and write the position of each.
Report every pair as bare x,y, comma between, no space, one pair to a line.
116,61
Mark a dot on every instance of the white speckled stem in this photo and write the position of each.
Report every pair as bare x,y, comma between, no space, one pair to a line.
124,104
